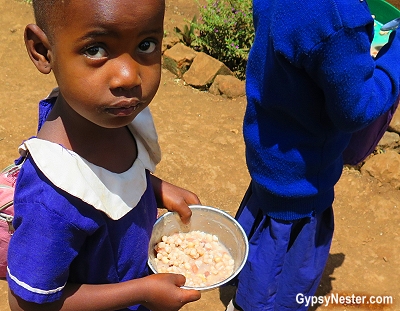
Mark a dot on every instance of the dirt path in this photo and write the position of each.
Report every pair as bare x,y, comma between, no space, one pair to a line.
200,135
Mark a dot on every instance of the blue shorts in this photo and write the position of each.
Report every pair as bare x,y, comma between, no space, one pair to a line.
286,258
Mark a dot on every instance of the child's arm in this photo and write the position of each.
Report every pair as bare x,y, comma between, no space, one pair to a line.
157,292
174,198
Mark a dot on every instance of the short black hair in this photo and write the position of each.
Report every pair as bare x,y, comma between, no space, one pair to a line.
47,13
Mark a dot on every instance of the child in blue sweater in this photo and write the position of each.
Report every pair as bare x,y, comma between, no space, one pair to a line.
86,199
311,83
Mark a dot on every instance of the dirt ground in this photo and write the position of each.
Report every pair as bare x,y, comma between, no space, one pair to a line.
203,150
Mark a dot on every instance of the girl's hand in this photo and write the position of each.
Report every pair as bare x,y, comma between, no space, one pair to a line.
163,292
174,198
158,292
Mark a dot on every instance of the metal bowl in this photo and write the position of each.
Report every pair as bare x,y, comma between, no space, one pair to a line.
209,220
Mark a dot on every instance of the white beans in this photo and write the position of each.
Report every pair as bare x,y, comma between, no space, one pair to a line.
199,256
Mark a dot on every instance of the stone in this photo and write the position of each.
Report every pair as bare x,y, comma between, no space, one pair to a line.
178,59
385,167
389,139
228,86
394,125
169,42
203,71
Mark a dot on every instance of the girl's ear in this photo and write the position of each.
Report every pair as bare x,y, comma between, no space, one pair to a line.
38,47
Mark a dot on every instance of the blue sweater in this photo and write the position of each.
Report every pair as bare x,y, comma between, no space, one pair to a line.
311,83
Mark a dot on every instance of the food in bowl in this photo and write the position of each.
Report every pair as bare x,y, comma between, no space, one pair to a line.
199,256
209,220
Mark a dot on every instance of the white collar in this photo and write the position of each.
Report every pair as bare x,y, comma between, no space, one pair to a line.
114,194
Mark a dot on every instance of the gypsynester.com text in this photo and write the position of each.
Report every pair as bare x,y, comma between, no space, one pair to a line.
339,299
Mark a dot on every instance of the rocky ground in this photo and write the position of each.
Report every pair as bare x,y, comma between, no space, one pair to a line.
200,135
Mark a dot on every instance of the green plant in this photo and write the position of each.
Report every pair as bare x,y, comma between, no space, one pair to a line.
226,32
187,35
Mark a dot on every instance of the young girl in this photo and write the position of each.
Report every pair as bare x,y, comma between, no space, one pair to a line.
86,200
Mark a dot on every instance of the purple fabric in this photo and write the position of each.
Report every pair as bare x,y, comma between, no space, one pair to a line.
59,238
45,107
363,142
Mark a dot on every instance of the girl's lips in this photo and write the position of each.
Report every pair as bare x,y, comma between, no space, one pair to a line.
123,110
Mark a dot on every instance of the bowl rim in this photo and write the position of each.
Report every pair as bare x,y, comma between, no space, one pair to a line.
244,236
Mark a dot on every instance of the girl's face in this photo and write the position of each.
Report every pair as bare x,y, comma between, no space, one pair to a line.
106,57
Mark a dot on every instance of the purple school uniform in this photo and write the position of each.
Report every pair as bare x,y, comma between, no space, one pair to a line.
59,238
79,223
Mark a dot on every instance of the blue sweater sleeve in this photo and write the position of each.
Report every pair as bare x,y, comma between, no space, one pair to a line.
310,83
357,88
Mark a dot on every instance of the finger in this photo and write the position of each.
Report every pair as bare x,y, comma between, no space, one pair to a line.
192,295
193,199
180,280
185,215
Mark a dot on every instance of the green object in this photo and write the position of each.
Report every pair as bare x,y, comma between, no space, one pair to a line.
384,12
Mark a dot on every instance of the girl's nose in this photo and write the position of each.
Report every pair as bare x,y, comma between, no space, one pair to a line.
125,73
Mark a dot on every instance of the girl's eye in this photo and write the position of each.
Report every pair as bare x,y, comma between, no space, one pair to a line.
95,52
147,46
